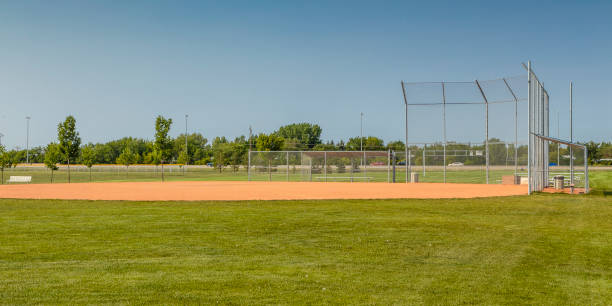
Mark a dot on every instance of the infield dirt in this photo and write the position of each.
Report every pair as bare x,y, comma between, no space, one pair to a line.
236,191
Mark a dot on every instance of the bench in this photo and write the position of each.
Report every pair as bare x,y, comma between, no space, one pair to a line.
348,178
19,179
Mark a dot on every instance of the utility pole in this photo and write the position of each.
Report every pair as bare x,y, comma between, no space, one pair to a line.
361,133
186,150
27,139
250,137
558,144
571,138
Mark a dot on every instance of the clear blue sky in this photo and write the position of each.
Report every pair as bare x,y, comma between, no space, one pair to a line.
116,65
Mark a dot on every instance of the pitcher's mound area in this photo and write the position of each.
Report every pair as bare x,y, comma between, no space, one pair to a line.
231,191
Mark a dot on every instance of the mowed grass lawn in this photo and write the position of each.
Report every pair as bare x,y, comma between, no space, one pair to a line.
543,249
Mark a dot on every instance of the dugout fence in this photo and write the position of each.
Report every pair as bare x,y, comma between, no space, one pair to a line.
491,113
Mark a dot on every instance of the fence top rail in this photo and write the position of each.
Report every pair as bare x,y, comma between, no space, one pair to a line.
468,103
462,82
561,141
452,143
328,151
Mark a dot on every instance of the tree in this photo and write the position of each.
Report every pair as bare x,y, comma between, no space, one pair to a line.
127,158
239,150
222,151
370,143
270,142
13,158
53,155
300,135
397,146
69,140
183,160
594,152
88,156
163,143
5,161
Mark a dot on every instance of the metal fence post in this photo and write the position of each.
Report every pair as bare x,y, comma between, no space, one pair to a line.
388,166
406,147
444,127
325,165
393,157
515,127
310,168
423,160
365,165
486,128
409,166
249,167
586,170
287,166
529,129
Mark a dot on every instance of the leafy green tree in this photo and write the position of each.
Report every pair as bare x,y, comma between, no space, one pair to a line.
163,143
127,158
183,158
153,158
196,148
594,152
300,135
14,158
370,143
270,142
329,146
222,153
5,161
239,150
69,140
53,156
397,146
88,156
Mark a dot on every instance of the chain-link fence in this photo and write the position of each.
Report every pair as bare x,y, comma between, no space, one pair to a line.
459,130
461,163
479,126
320,166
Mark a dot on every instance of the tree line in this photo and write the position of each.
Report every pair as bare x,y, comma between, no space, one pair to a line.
223,152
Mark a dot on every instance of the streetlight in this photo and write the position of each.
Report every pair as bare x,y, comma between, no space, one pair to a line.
27,139
186,150
250,137
361,138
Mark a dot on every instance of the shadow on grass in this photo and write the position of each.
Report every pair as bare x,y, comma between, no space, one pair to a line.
600,192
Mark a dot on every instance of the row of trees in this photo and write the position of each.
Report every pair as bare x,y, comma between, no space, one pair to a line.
222,152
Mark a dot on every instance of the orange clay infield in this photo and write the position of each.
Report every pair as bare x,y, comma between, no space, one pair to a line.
236,191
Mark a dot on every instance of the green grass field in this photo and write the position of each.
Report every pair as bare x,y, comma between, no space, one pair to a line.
543,249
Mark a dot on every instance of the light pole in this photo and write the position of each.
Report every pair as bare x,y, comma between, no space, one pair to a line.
186,150
571,149
361,133
558,144
250,137
1,135
27,139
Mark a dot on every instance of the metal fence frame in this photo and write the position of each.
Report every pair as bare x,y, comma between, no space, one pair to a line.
538,127
360,154
485,101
